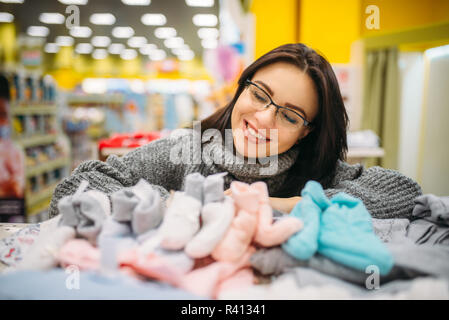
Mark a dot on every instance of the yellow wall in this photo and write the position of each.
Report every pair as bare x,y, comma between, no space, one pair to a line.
275,24
398,15
330,27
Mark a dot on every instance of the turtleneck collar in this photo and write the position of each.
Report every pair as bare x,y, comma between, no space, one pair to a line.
215,152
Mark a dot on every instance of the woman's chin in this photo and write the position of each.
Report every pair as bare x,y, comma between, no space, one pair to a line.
250,150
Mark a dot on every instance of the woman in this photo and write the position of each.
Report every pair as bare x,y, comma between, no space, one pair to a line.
287,111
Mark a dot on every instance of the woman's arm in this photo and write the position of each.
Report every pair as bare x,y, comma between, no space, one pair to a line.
386,193
150,162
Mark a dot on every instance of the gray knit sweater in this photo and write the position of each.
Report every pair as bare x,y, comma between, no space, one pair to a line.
386,193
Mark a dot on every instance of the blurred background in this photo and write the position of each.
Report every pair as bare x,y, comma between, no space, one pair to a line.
83,79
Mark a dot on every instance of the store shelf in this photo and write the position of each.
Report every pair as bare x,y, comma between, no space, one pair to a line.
95,99
34,110
38,207
36,140
32,199
366,152
47,166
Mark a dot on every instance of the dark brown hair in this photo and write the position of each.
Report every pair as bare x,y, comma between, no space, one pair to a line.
326,143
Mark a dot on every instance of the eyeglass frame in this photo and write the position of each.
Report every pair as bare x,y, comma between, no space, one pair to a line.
306,122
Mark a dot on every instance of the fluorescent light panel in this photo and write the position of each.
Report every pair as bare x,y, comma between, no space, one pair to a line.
80,32
123,32
6,17
205,20
51,18
137,2
84,48
116,48
99,54
102,18
153,19
101,41
51,48
165,32
200,3
64,41
37,31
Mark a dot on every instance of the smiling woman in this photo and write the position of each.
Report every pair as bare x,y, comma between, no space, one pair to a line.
288,99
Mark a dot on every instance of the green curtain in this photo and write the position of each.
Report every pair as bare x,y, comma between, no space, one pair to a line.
381,103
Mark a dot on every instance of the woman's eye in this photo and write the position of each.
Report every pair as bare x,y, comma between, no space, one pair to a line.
259,97
289,119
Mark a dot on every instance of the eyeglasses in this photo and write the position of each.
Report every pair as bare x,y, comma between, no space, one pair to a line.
285,117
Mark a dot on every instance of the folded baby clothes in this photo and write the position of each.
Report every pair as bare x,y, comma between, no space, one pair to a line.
240,234
85,211
340,228
216,218
181,221
270,234
303,245
347,236
43,254
141,205
79,253
433,207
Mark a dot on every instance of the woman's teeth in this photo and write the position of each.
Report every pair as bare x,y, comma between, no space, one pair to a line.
254,133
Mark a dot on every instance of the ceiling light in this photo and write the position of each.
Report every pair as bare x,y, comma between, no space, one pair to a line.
137,2
123,32
80,32
51,48
207,33
180,51
153,19
158,55
102,18
137,42
175,42
99,54
209,43
11,1
205,20
116,48
186,56
200,3
6,17
165,32
38,31
128,54
101,41
83,48
51,18
77,2
148,48
64,41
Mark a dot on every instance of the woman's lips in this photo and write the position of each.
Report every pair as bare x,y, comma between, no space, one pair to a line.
250,136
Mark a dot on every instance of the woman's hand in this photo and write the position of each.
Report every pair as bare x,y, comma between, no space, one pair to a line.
281,204
284,204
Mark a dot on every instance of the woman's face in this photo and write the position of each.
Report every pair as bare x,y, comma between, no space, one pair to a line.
288,86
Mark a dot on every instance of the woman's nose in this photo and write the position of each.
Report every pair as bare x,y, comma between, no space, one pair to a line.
267,117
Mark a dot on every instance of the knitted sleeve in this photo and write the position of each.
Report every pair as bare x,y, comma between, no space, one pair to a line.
151,162
386,193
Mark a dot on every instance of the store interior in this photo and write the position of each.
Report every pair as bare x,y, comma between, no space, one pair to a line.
88,79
